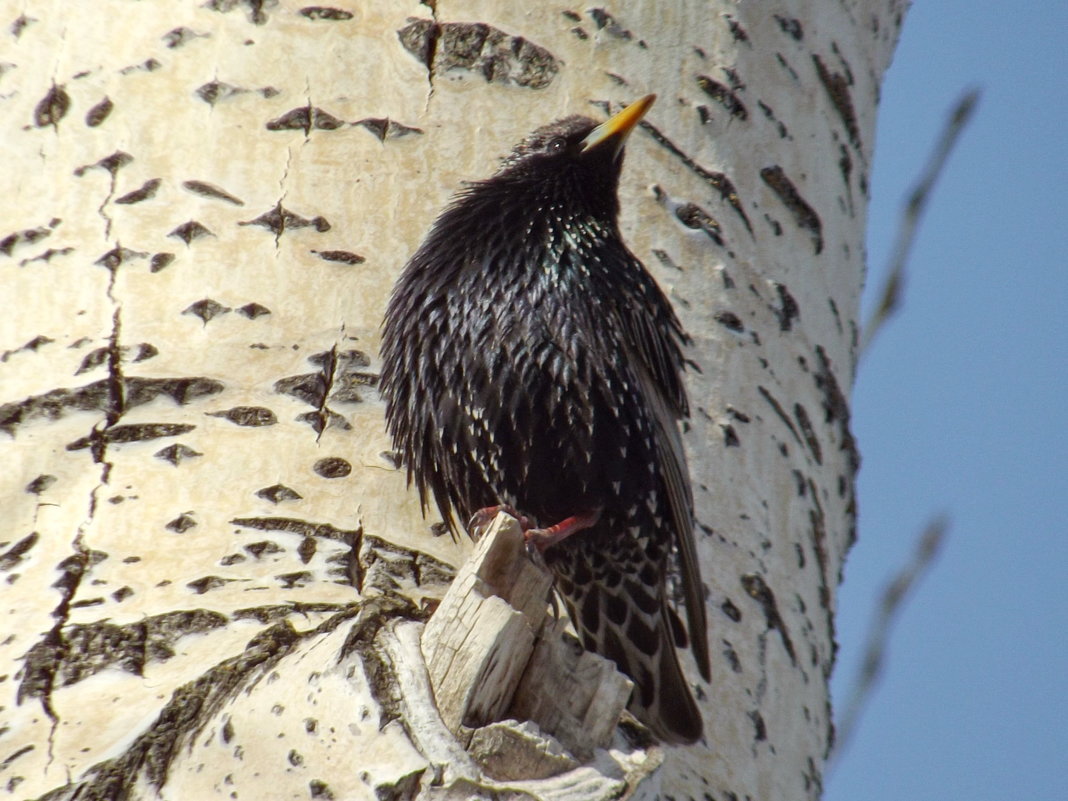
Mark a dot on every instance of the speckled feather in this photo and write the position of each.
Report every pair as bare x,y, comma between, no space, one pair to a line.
530,360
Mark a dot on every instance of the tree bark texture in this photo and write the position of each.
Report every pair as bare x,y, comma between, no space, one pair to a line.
214,578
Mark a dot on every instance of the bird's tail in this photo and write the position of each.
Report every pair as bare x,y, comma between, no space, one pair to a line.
629,623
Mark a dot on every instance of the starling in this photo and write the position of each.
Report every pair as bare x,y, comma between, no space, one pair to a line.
530,362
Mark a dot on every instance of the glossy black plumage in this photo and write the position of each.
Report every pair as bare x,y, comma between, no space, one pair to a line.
530,360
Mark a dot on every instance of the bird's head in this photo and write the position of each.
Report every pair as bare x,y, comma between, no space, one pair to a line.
575,156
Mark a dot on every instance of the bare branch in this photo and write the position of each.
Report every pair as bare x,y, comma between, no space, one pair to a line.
890,298
893,599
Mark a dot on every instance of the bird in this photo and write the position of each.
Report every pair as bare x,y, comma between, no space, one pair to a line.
531,363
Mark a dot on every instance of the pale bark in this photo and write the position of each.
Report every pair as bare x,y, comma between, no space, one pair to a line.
214,578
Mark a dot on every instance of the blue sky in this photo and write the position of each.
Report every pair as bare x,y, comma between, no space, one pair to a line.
961,406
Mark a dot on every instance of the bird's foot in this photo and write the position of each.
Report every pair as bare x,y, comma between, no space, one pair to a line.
538,539
481,519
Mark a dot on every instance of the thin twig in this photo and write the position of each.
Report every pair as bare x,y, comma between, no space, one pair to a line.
890,298
893,599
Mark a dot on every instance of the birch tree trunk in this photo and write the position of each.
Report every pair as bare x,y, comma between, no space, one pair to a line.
215,580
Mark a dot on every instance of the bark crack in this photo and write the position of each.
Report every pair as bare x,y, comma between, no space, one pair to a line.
40,676
431,50
283,193
329,370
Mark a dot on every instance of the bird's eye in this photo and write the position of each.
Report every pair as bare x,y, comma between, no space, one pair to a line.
557,145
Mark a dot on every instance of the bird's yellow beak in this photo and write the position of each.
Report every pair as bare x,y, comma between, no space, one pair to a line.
613,132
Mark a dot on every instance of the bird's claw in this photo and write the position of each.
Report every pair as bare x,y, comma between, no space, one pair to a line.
533,541
480,520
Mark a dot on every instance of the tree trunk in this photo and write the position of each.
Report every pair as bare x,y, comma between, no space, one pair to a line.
216,580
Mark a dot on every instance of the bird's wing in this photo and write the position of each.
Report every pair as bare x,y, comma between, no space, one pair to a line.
655,335
672,460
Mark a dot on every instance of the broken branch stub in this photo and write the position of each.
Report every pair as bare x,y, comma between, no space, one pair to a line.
492,651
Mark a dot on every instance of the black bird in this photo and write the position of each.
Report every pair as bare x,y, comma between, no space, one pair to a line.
530,362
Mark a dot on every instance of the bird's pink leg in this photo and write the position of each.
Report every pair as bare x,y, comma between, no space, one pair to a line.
542,538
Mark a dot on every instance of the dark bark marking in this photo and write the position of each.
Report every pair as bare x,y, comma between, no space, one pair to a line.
279,220
212,93
42,662
332,467
607,23
779,411
176,453
57,403
730,320
730,610
207,584
253,310
256,12
770,114
807,431
788,310
111,164
693,216
258,549
303,528
738,33
305,118
836,409
98,113
52,107
306,549
27,236
134,432
299,578
804,215
309,388
340,256
148,190
326,13
189,231
247,416
178,37
206,309
760,730
21,23
759,591
837,87
791,27
181,524
723,95
479,48
89,648
322,419
741,417
13,555
117,256
92,360
385,129
204,189
41,484
148,65
160,261
730,436
388,566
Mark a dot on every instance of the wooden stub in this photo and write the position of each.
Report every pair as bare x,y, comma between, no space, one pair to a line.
479,639
493,651
575,694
